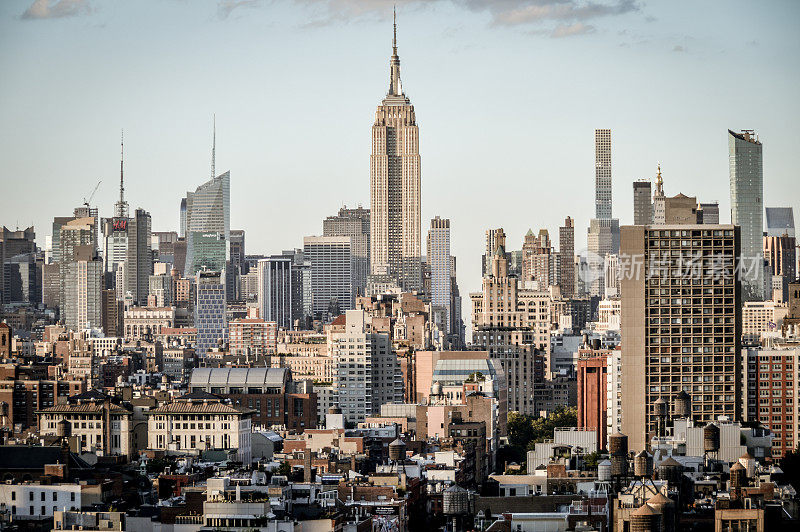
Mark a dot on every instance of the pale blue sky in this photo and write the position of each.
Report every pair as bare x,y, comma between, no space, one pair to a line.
507,95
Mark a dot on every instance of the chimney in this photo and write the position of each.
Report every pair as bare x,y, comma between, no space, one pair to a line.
307,476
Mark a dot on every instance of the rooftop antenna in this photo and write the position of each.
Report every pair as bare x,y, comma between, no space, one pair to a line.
214,147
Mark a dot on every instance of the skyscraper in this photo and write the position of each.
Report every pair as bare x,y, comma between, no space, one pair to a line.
566,248
441,264
395,221
237,251
183,218
603,237
208,224
642,206
275,290
14,244
209,310
115,229
681,323
76,239
331,274
355,224
83,293
139,258
602,173
747,207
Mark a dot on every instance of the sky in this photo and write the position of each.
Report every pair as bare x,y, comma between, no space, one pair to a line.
507,95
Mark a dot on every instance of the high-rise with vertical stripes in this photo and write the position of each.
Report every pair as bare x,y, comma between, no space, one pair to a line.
395,221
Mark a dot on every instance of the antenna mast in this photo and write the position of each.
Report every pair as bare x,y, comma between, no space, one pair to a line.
121,174
214,148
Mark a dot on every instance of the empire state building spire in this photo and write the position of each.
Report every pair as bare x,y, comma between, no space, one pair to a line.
395,86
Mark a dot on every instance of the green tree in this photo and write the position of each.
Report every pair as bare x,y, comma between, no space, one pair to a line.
591,460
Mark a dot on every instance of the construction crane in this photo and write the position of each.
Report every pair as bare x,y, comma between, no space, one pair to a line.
86,201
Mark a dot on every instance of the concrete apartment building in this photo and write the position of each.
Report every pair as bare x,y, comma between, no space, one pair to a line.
681,322
252,336
353,223
331,274
771,392
367,371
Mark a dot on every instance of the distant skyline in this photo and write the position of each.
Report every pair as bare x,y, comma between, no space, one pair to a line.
507,96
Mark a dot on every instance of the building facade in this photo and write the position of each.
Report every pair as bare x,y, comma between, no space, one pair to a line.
139,258
566,249
773,379
367,372
210,318
681,322
331,274
642,204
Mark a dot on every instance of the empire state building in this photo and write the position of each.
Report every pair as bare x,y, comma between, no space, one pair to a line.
395,186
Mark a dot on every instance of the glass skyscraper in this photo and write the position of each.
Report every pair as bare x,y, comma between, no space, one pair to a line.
209,311
208,224
747,208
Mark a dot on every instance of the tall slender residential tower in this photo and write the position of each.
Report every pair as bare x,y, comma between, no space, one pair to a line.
602,174
747,208
566,247
603,237
395,221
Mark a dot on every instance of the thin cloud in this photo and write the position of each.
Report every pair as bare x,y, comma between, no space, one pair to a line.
678,48
571,17
48,9
564,30
226,7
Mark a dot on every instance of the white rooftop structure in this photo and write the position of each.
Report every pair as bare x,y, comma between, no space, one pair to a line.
222,380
